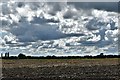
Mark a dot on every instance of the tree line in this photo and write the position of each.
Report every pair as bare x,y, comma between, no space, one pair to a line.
23,56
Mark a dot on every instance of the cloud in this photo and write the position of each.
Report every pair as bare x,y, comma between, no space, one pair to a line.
26,32
71,12
55,7
59,28
107,6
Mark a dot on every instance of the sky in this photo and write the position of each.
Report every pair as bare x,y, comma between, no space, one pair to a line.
59,28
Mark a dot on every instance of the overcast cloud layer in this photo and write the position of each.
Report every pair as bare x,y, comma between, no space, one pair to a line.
52,28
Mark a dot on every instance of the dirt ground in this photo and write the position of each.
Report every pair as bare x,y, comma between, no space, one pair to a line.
61,69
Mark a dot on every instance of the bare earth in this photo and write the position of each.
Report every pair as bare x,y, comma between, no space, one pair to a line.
61,69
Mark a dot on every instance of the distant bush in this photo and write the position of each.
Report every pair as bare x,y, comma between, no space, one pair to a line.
101,54
21,56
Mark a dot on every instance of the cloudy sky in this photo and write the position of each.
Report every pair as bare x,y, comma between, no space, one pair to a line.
59,28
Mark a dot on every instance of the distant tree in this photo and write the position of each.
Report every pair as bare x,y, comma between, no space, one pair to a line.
1,55
22,56
101,54
7,55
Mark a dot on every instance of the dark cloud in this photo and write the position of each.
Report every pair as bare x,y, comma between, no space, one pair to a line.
100,43
29,33
108,6
21,4
26,33
38,20
70,14
95,24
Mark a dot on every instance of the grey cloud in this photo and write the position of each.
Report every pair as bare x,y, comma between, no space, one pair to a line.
95,24
21,4
38,20
101,43
36,32
70,14
108,6
56,7
39,32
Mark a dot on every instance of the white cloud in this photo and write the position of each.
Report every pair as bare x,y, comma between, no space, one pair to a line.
95,38
15,18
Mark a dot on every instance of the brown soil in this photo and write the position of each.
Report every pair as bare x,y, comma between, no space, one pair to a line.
61,69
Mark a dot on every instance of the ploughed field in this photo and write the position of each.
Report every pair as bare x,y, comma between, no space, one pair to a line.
60,69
